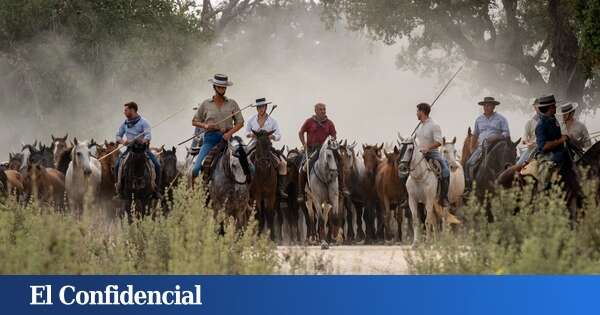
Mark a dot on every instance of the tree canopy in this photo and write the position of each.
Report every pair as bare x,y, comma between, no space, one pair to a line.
524,47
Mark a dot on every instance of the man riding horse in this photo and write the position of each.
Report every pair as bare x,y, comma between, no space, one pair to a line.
551,143
135,129
429,138
264,121
576,130
317,129
220,116
529,136
490,128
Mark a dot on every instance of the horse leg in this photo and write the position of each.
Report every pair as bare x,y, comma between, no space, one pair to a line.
399,214
385,222
369,211
381,210
416,226
349,219
408,215
270,214
430,219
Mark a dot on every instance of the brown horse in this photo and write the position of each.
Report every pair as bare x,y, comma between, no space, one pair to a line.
372,158
48,184
392,193
107,164
352,172
292,211
59,147
469,146
263,188
14,182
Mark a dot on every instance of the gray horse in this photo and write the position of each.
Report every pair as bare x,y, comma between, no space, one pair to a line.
229,186
323,193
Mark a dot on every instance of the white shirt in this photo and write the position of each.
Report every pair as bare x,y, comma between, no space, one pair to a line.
428,133
269,125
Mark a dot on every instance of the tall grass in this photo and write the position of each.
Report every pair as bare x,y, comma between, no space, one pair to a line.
538,239
37,240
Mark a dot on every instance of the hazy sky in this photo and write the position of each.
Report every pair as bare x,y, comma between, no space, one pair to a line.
297,65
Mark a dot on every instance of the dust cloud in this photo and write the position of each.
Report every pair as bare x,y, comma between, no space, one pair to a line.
291,60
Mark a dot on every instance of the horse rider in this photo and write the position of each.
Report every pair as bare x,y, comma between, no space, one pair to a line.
528,138
131,130
576,130
551,143
317,129
263,121
429,139
220,116
490,128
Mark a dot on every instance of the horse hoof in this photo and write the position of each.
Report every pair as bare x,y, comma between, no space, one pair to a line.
324,245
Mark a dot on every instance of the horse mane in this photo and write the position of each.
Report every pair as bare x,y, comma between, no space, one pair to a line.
64,160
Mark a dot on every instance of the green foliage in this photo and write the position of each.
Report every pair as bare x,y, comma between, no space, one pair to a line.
588,24
539,239
35,240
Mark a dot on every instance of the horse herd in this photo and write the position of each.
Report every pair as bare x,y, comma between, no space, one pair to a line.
386,183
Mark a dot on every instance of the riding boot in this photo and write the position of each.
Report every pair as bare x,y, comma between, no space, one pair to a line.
444,192
301,183
281,186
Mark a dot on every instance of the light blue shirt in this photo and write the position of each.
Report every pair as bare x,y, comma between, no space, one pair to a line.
131,133
495,125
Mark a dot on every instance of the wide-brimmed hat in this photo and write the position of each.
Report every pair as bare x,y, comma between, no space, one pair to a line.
489,100
568,107
261,102
221,80
546,101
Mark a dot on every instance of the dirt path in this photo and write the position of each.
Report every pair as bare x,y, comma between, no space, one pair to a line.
345,259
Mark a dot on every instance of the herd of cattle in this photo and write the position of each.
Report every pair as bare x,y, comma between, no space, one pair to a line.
384,182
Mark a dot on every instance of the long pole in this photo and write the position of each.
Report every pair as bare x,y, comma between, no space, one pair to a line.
143,133
220,121
439,95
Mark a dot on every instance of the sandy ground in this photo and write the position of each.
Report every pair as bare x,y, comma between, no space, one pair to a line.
355,259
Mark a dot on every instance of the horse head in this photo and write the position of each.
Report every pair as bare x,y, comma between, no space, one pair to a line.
449,152
80,157
406,157
168,164
238,160
372,155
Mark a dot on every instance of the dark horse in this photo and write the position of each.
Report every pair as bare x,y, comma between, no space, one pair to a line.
292,211
263,189
137,186
493,162
169,175
591,161
353,173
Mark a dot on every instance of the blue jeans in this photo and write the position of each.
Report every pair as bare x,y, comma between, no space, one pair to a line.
211,139
150,156
436,155
473,159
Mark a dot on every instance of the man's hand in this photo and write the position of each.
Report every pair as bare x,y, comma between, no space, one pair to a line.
227,136
211,126
424,150
124,141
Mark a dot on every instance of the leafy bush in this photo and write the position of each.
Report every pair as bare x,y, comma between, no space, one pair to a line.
538,239
37,240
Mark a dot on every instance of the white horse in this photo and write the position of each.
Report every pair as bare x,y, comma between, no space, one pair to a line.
83,175
323,192
422,186
457,174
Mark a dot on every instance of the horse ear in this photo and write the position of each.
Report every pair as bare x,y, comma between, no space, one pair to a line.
517,142
396,149
469,132
346,142
75,141
174,149
105,143
254,132
454,140
443,140
53,138
380,147
66,136
364,147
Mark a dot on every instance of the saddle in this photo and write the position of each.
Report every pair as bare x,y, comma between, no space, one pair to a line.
210,161
542,168
434,165
149,169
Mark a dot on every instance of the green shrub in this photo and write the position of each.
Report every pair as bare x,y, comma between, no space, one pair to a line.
539,239
37,240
